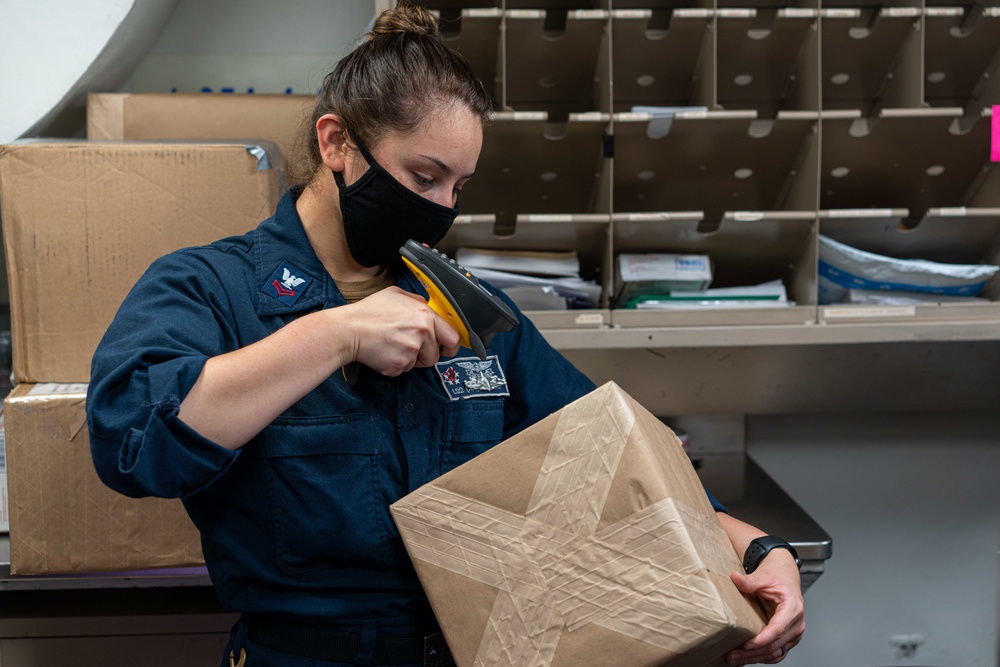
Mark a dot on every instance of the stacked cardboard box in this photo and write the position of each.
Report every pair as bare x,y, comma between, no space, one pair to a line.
81,222
282,119
65,518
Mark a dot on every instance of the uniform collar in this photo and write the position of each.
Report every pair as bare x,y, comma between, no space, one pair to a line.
281,243
289,276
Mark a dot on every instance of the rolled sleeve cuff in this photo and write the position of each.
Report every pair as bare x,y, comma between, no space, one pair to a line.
170,459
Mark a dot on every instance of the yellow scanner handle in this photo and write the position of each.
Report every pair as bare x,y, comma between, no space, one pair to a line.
441,305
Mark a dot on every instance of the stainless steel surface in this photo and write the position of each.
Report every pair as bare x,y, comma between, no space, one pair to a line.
762,503
716,444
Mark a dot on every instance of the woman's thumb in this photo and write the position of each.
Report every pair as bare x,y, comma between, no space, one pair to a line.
744,582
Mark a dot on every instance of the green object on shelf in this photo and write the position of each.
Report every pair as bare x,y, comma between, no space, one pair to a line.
642,298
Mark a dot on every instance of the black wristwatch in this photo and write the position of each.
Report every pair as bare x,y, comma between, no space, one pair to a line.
761,547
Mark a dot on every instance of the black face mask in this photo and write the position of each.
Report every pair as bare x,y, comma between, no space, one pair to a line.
381,214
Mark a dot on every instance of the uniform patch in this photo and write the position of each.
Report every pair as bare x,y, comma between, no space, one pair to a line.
286,284
471,377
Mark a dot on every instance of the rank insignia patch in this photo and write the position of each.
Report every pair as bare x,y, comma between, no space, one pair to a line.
286,284
471,377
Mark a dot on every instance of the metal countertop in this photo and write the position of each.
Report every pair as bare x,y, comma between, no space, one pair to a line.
737,481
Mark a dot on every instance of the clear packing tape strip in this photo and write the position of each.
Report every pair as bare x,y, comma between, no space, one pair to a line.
555,570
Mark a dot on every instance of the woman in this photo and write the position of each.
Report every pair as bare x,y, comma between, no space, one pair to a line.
220,380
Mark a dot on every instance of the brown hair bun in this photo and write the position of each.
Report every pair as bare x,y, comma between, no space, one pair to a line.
406,18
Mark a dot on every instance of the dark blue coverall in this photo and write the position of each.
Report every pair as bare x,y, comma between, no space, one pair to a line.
295,524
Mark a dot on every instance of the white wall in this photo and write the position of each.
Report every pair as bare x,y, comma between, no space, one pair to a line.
52,52
912,502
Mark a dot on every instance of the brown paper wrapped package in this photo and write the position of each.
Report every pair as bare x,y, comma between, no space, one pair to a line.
586,539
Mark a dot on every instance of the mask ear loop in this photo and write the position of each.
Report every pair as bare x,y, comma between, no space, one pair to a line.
338,177
361,147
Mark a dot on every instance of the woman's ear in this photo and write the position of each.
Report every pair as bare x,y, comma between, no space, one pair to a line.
333,137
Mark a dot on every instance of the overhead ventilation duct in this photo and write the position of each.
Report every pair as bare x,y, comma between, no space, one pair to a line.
53,52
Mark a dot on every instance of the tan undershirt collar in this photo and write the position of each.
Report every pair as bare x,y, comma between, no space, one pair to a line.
355,291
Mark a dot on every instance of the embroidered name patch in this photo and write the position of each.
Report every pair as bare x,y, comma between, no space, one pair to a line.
286,284
471,377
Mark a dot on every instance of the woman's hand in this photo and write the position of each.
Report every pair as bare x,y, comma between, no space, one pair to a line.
241,392
777,585
397,331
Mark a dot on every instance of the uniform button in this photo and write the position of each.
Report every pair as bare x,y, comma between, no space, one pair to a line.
408,407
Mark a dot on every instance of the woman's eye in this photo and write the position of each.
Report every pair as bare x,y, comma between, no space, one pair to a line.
423,180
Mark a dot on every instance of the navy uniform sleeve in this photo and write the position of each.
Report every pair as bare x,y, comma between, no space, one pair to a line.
542,380
149,358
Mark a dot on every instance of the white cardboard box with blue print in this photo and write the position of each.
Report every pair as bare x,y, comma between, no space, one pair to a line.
586,539
658,274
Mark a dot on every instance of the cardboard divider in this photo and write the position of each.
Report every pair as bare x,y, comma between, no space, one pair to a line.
731,162
763,59
552,58
656,55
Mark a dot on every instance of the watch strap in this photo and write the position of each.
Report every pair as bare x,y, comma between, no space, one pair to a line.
760,547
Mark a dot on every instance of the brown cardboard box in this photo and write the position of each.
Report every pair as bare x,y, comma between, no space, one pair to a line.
83,220
63,518
203,116
585,540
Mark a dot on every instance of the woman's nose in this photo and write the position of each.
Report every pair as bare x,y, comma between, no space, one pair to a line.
444,196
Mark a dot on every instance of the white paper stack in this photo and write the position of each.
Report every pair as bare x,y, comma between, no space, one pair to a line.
534,280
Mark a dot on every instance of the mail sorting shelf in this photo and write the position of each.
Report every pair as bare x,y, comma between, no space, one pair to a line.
749,58
766,60
531,164
556,61
662,57
961,53
475,33
745,248
871,58
781,136
538,185
546,232
714,162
